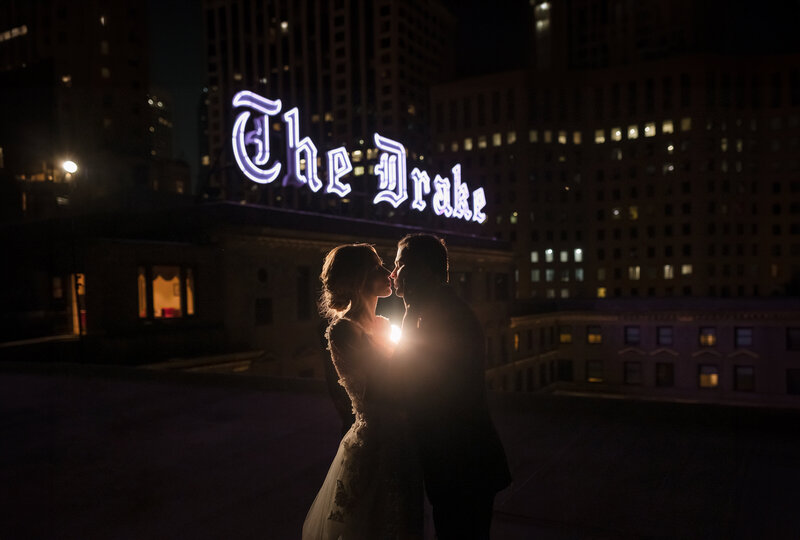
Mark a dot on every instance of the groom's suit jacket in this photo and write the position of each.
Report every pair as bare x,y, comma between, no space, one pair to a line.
443,352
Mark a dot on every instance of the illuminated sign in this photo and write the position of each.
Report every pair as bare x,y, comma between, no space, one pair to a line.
448,198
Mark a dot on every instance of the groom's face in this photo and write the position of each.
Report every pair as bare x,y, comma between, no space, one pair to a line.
400,273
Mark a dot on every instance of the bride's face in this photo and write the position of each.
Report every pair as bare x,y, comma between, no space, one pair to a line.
377,282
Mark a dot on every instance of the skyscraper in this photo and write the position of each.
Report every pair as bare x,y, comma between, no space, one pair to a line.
352,68
652,152
81,67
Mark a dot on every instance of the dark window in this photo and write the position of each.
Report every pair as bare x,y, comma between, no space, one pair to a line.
664,335
665,374
633,373
793,381
594,371
744,378
564,370
793,339
263,311
744,337
633,335
501,287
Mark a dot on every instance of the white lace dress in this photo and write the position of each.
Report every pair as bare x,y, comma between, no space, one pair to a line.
373,489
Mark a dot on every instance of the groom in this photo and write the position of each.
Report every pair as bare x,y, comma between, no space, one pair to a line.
442,351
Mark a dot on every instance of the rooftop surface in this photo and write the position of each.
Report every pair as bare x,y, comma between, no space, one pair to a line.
124,453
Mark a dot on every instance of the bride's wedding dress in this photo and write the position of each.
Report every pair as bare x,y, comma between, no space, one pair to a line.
373,487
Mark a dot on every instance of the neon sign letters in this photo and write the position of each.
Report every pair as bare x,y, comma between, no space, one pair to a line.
450,199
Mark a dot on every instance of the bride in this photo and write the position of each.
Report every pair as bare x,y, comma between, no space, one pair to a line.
373,489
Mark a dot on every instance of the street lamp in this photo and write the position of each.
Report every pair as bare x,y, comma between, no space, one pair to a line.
70,166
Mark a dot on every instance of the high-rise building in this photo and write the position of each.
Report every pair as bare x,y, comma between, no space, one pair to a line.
352,68
80,68
645,153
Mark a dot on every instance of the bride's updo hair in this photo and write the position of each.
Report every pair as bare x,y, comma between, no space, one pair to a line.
343,275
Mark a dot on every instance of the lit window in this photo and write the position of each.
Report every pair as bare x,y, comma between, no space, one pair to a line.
358,155
102,20
105,72
708,336
284,26
576,137
599,136
548,136
66,79
670,148
358,171
594,335
616,154
739,145
579,274
516,341
669,271
564,293
667,168
514,218
650,129
666,126
616,134
551,293
535,275
686,124
633,132
549,274
468,143
511,137
482,141
562,137
329,117
454,146
172,292
497,140
578,255
533,136
565,334
615,213
744,337
601,292
563,256
633,212
634,272
708,376
548,255
534,256
686,269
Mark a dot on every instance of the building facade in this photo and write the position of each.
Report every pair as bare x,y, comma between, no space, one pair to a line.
665,172
720,350
197,281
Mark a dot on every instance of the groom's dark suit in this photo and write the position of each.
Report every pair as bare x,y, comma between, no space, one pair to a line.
463,461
